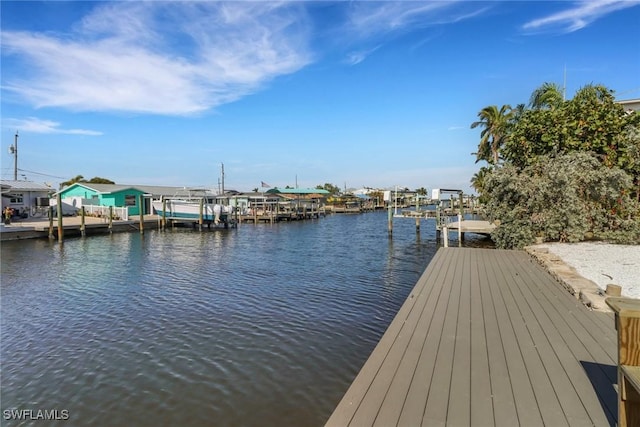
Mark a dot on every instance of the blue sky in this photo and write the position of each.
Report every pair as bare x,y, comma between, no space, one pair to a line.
352,93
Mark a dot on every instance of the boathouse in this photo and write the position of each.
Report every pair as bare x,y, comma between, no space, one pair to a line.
302,198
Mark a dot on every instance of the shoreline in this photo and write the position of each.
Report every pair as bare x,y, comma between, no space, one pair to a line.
586,268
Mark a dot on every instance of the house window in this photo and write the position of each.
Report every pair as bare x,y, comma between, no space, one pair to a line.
16,198
130,200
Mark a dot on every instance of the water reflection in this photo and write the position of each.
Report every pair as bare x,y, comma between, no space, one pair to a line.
263,325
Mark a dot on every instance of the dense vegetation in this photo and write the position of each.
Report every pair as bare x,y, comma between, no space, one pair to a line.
81,179
561,170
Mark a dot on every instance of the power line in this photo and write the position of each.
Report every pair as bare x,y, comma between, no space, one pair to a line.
35,173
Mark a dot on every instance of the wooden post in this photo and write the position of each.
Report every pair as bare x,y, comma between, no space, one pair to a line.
418,224
461,204
613,290
51,223
200,214
445,236
82,225
236,210
141,203
164,213
627,320
110,219
459,229
438,228
390,220
60,227
255,213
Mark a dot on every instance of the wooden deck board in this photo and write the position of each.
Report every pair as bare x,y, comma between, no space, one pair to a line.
487,338
527,378
569,336
458,411
503,403
481,410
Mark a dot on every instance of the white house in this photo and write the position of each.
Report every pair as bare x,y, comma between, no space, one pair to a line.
25,197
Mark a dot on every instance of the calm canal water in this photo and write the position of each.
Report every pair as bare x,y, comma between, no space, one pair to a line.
261,326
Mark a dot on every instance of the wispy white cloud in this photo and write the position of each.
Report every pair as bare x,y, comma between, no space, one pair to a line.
373,20
580,15
36,125
358,56
173,58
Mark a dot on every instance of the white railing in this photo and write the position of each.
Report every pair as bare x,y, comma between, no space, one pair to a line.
103,212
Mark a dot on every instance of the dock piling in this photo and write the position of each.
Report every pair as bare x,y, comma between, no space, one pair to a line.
59,211
141,199
164,213
50,222
82,225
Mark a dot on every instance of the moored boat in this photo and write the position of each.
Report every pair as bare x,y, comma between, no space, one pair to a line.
193,207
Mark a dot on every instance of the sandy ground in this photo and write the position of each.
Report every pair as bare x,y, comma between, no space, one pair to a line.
603,263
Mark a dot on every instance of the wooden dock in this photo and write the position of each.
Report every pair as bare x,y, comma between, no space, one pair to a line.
488,338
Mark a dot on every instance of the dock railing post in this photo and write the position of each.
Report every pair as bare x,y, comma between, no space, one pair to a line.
110,219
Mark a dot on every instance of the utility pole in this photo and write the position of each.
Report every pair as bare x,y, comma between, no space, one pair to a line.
222,173
14,150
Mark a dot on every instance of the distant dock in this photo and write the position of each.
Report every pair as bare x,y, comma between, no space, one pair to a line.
488,338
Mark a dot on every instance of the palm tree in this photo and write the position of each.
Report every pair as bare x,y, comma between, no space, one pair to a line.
479,179
547,96
495,123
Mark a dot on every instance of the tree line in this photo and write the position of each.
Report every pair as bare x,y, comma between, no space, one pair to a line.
560,170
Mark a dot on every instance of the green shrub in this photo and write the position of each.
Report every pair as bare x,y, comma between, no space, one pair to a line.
566,198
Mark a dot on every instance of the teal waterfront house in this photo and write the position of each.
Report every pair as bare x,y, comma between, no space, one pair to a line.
119,196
